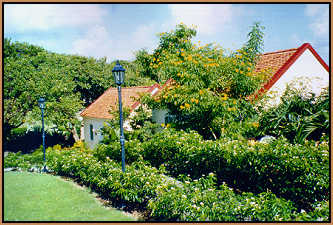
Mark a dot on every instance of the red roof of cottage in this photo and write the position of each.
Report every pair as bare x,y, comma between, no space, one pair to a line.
109,100
280,62
274,60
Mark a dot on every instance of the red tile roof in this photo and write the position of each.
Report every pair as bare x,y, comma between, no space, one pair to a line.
281,61
109,100
274,60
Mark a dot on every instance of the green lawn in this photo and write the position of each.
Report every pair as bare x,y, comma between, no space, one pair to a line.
43,197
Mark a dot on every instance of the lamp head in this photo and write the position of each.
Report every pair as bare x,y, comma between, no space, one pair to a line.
41,103
119,74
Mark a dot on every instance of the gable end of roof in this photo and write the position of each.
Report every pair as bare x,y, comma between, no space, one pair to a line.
321,61
288,64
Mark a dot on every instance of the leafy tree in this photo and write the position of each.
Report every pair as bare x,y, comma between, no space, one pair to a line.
143,60
27,78
254,45
15,50
170,43
132,75
68,82
208,87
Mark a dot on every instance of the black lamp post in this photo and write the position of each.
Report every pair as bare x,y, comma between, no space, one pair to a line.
41,103
119,75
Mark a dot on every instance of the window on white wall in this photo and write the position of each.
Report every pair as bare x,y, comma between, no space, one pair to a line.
91,132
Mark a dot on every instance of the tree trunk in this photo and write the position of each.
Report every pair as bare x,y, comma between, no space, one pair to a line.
75,135
82,133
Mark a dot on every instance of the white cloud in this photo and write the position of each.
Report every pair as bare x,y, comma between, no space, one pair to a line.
319,15
209,18
319,24
25,17
144,35
98,42
313,10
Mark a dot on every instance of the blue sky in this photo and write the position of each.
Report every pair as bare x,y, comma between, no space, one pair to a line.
116,31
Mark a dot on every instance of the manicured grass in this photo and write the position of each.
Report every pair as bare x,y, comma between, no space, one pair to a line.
43,197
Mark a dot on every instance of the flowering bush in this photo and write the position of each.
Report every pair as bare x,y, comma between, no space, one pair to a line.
296,172
24,161
208,87
198,200
321,212
113,151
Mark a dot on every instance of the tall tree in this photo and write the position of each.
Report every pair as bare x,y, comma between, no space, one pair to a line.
209,85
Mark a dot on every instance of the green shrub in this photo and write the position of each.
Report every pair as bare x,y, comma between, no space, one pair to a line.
198,200
321,212
166,145
296,172
133,151
297,117
24,161
136,185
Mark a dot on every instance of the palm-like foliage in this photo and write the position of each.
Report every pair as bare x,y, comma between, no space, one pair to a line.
297,117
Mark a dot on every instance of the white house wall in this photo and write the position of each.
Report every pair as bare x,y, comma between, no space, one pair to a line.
97,134
306,66
158,116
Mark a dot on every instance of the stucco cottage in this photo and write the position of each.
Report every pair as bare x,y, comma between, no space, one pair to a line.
98,113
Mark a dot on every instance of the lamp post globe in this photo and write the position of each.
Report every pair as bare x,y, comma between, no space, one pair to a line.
119,75
41,104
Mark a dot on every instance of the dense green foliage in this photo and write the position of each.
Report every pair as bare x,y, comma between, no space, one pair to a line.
297,117
26,141
68,82
200,201
296,172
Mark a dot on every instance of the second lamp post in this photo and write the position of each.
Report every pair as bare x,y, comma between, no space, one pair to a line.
41,104
119,75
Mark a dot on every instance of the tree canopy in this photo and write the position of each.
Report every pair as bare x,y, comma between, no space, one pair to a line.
69,83
209,85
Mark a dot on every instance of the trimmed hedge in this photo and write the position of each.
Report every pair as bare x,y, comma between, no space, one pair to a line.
198,200
296,172
24,161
